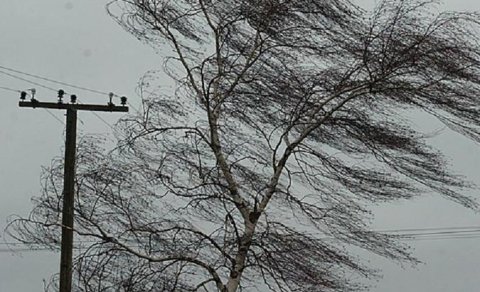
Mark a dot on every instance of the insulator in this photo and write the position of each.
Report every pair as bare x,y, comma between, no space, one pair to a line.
73,98
23,95
33,91
123,100
110,96
60,95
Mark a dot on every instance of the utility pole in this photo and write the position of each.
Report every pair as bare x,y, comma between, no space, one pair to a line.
69,170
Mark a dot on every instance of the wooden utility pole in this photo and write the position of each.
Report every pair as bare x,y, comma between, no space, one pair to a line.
69,172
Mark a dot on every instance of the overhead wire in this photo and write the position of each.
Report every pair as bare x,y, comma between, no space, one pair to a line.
116,131
10,89
104,93
27,80
55,90
24,249
441,232
458,234
105,122
55,117
442,238
47,110
468,232
429,229
53,80
66,84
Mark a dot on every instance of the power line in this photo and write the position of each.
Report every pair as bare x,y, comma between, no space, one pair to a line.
61,83
442,238
49,112
55,117
52,89
23,250
444,235
26,80
54,81
430,229
107,123
10,89
55,90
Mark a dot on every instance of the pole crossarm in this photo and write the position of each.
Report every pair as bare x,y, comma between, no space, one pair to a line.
74,106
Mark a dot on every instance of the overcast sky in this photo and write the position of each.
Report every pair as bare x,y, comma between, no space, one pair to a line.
76,42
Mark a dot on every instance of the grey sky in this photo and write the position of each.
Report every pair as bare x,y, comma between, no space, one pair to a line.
76,42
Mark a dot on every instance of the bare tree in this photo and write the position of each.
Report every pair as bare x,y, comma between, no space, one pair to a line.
290,117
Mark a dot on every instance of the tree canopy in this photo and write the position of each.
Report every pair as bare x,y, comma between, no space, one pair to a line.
289,118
